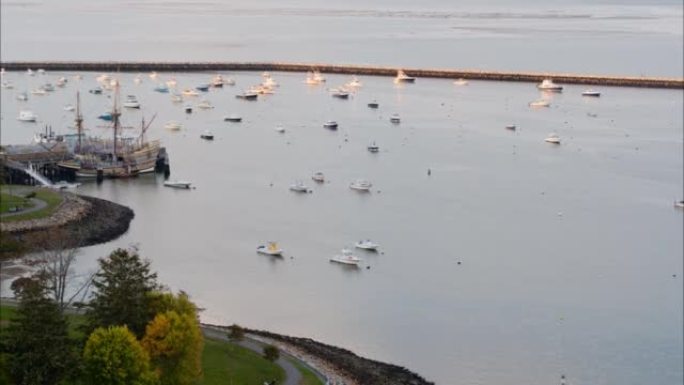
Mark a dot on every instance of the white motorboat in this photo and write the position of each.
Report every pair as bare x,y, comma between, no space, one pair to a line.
402,77
30,72
190,92
207,135
153,75
173,125
104,78
361,185
339,93
367,245
69,107
354,83
178,184
553,138
41,71
318,177
261,89
7,85
131,102
314,78
318,77
137,79
39,91
540,103
26,116
299,186
233,118
331,124
268,80
395,119
280,129
461,82
346,257
248,95
271,249
591,93
549,85
205,104
22,96
373,147
217,81
61,82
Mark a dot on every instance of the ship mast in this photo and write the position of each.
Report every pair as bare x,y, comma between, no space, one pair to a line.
115,115
79,120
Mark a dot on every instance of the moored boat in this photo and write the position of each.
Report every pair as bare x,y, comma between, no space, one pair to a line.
233,118
207,135
540,103
318,177
178,184
271,249
367,244
299,186
27,116
361,185
346,257
331,124
395,119
402,77
553,138
549,85
591,93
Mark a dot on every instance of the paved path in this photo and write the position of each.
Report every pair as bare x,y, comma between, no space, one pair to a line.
37,205
292,374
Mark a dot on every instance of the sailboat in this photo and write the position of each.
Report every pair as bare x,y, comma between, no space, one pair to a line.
118,157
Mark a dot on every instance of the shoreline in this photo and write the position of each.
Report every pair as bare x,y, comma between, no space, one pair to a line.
96,221
130,66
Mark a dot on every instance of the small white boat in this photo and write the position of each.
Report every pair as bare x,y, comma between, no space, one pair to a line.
373,147
591,93
22,96
354,83
131,102
207,135
395,119
39,91
178,184
41,71
30,72
268,80
340,93
318,177
318,77
402,77
540,103
299,186
233,118
205,104
331,124
190,92
361,185
553,138
549,85
314,78
103,78
61,82
171,83
137,79
367,245
69,107
347,258
271,248
217,81
261,89
26,116
679,204
248,95
280,129
153,75
173,125
461,82
7,85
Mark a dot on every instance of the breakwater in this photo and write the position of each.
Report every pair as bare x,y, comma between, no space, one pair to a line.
619,81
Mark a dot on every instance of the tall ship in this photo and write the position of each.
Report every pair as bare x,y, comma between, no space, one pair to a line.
120,156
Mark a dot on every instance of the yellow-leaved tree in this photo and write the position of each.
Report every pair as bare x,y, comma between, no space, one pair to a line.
174,341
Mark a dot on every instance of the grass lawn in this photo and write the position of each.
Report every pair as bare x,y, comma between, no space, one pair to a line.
228,364
308,377
8,201
52,198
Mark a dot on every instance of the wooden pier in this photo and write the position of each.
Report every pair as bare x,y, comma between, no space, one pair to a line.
598,80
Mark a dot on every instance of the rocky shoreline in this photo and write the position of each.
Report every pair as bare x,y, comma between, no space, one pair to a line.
339,366
79,221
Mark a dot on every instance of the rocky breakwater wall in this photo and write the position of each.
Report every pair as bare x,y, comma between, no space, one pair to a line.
78,221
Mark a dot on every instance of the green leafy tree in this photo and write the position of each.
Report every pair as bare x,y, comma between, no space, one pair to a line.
271,352
113,356
174,342
37,339
236,333
122,292
161,302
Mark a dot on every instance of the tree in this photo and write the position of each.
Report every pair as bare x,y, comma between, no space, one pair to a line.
237,333
271,352
174,342
161,302
113,356
122,292
37,338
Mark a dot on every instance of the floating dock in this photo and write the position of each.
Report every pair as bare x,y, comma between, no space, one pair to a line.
598,80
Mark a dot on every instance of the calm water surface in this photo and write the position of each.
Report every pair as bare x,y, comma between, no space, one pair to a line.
567,252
